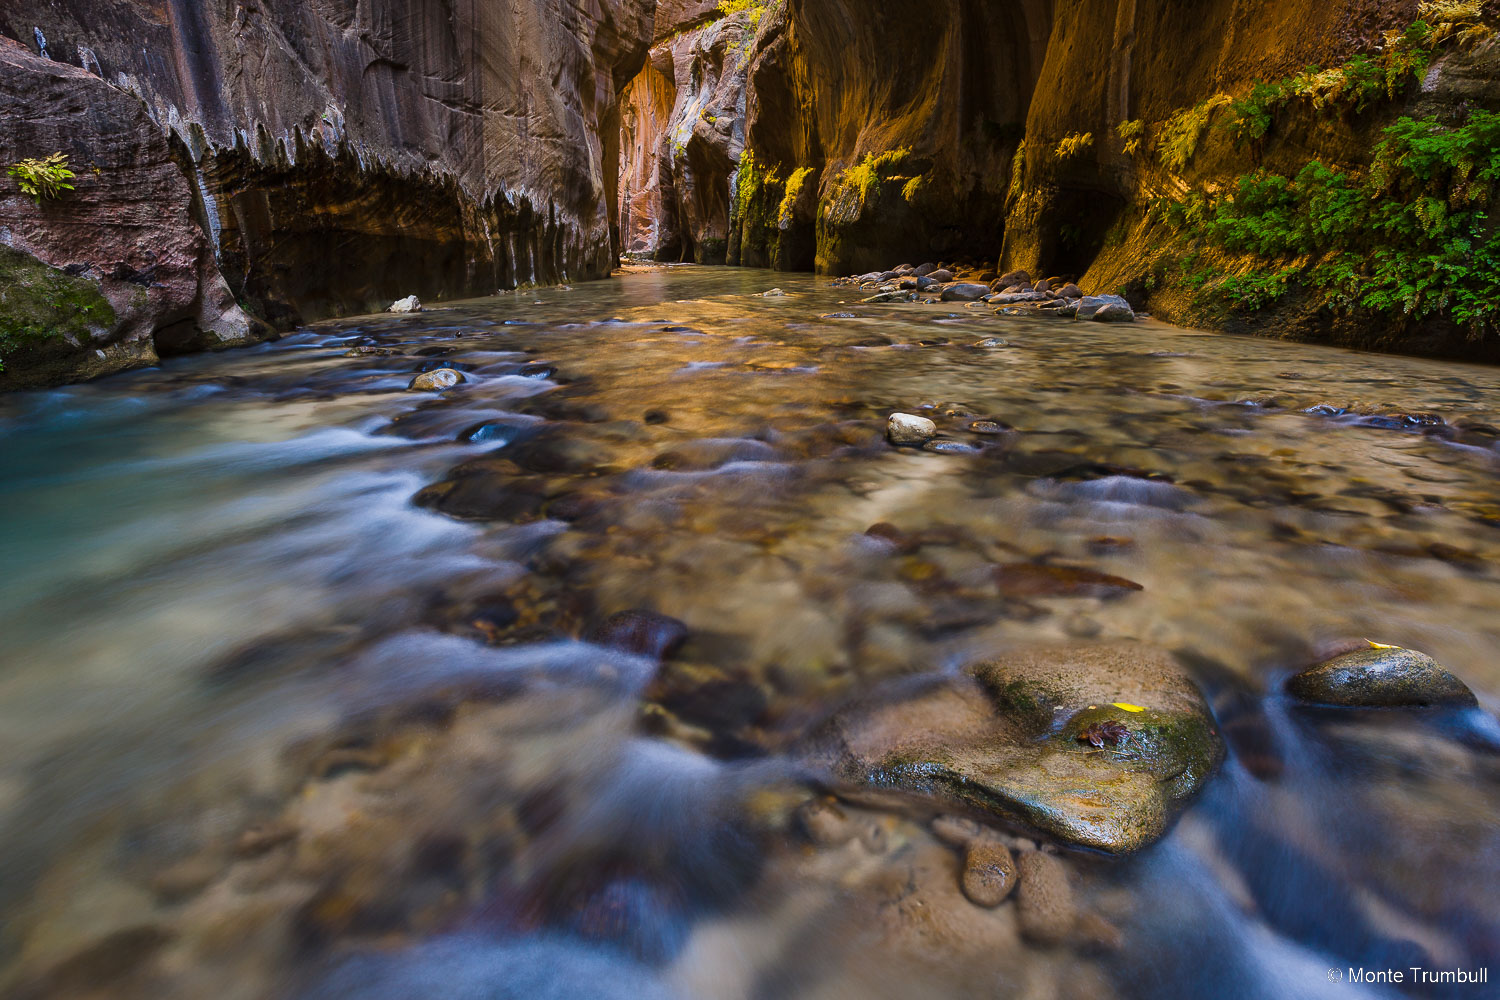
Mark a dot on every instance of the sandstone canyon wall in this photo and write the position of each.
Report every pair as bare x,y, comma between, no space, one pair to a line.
334,154
251,164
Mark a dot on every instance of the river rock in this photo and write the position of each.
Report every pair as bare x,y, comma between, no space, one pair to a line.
1015,278
1008,737
909,429
1044,905
410,304
644,633
825,823
964,291
989,873
1114,313
894,296
1380,677
1013,298
436,380
941,275
1114,308
1070,291
923,270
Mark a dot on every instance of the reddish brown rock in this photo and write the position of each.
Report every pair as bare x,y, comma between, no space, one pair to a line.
126,228
352,154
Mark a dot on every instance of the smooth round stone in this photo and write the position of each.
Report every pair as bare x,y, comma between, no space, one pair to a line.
1045,905
950,448
992,342
989,872
1384,677
436,381
909,429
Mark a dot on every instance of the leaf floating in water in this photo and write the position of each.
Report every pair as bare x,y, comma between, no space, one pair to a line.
1108,733
1033,580
1127,706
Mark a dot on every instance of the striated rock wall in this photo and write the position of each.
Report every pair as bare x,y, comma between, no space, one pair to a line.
685,133
892,129
344,152
117,272
1146,61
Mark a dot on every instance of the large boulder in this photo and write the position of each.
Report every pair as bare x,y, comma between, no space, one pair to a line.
1380,677
1105,309
1097,746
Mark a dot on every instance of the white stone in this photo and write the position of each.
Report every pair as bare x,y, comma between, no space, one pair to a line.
908,428
410,304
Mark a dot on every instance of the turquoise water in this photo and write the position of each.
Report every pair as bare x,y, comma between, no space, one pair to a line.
290,707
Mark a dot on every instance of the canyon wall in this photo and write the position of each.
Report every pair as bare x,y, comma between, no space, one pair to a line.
336,154
246,166
1188,103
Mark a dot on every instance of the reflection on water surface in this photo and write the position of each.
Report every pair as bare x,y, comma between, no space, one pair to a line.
317,687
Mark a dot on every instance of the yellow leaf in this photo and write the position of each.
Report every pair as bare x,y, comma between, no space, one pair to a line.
1128,708
1380,645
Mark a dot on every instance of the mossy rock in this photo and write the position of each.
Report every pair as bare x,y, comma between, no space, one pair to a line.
45,311
1381,677
1005,740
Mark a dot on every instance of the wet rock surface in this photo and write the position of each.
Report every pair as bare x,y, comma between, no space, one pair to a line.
1008,740
1381,677
517,680
126,234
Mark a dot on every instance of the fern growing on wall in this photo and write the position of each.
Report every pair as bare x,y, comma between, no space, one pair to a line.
44,178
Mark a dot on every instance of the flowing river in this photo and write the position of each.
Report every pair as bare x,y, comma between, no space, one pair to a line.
316,687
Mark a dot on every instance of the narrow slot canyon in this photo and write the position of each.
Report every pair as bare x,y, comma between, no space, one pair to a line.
749,499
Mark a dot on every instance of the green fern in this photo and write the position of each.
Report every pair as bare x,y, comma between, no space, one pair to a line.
45,178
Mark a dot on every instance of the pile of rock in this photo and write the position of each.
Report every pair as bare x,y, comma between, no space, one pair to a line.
1012,293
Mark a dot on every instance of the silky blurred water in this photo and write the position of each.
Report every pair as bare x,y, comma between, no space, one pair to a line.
299,697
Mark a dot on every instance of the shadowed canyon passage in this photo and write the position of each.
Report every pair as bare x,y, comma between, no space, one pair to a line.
675,602
242,168
319,687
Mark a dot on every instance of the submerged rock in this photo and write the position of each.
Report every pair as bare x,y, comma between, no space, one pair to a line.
1381,677
1011,738
410,304
436,380
908,428
644,633
989,872
1045,905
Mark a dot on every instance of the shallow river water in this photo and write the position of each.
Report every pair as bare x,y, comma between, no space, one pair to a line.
311,685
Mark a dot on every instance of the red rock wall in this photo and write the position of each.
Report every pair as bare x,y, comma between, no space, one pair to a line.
352,151
128,225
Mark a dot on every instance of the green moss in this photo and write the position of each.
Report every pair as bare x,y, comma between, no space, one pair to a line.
42,307
759,193
794,185
1409,237
1166,746
1401,60
867,176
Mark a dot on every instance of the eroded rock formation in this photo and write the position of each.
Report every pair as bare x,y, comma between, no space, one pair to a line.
685,134
339,155
119,271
